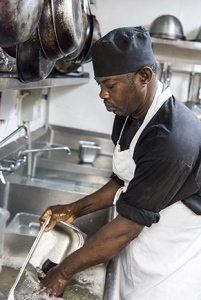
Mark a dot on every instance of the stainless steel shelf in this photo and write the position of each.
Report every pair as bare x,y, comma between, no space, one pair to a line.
183,44
11,82
184,55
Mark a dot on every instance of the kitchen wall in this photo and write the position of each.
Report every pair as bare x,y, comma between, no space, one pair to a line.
80,106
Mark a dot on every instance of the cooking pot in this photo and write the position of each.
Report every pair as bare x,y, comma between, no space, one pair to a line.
167,27
68,22
65,67
18,20
47,34
10,51
92,35
85,30
96,35
32,65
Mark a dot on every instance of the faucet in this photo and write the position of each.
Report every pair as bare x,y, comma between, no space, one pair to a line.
13,163
13,133
22,154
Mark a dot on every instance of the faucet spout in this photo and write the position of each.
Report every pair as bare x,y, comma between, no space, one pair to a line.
13,133
25,152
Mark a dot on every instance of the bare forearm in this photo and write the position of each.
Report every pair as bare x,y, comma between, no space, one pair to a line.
69,212
101,199
102,247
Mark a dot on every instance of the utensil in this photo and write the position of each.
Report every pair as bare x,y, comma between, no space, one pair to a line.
11,293
198,36
85,32
67,16
88,151
199,90
32,65
193,106
92,35
65,67
168,76
18,20
167,27
47,34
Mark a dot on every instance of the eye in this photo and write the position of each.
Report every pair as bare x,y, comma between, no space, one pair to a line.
110,86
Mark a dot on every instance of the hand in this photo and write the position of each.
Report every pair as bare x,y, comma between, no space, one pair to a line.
65,213
53,283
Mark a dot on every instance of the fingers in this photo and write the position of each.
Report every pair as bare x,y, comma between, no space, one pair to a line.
43,218
57,214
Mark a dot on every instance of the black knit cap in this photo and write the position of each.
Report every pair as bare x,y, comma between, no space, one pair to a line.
121,51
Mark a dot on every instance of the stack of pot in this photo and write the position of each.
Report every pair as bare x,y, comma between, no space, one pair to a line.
40,34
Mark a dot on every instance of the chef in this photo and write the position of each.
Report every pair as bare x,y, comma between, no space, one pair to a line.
155,235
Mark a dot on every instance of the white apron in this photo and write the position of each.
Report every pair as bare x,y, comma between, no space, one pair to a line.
158,265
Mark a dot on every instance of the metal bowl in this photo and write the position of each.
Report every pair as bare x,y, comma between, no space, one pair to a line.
167,27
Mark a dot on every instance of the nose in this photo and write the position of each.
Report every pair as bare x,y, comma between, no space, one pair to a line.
103,93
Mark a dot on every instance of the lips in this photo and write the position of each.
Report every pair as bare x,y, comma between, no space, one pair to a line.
108,106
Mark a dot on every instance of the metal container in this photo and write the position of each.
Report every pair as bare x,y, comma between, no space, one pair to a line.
167,27
54,245
88,151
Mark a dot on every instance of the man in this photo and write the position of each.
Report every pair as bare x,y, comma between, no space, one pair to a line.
156,234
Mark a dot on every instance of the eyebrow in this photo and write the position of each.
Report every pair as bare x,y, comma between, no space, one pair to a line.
104,81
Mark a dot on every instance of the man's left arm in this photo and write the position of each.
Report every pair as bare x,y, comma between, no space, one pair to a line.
102,247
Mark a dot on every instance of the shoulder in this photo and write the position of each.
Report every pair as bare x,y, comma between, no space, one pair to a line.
174,132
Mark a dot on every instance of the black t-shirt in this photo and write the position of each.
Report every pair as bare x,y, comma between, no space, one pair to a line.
168,163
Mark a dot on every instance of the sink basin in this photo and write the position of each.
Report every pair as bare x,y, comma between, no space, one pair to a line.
60,161
57,178
62,240
30,201
57,170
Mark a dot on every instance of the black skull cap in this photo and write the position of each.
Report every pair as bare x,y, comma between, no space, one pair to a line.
121,51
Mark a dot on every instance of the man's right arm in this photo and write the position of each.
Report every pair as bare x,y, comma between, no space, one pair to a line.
69,212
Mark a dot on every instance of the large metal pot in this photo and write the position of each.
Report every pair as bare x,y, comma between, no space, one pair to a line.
32,65
47,34
18,20
92,35
68,22
85,32
96,35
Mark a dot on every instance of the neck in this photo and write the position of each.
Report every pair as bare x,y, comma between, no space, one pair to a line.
151,92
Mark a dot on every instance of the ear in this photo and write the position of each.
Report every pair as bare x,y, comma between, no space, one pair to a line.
146,75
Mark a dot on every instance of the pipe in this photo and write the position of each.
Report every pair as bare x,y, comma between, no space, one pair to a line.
13,133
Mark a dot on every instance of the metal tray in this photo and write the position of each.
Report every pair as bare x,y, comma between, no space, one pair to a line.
25,224
54,245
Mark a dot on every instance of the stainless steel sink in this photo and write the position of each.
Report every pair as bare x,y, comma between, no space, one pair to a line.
56,178
24,199
57,170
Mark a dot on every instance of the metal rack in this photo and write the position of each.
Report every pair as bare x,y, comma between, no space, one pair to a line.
12,83
181,55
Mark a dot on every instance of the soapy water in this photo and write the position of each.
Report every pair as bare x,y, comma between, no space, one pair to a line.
86,285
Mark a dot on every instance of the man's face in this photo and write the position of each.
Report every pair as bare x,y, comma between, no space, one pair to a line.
123,94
